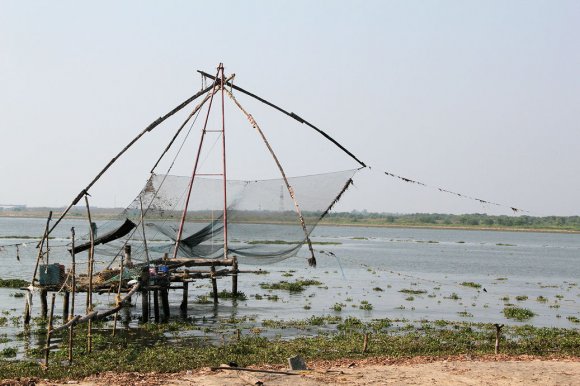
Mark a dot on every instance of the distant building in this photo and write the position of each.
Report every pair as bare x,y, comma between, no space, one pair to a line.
12,207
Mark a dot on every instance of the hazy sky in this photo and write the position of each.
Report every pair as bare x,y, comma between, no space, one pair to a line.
480,97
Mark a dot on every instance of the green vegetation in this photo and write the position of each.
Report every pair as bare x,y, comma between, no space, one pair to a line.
573,319
297,286
541,299
123,353
413,292
283,242
365,305
521,298
13,283
517,313
470,284
225,294
475,220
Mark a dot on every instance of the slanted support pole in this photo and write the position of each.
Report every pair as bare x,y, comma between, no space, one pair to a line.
312,259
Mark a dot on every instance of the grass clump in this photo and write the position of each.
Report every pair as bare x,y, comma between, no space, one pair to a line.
517,313
338,307
471,284
573,319
365,305
296,286
13,283
412,291
521,298
453,296
225,294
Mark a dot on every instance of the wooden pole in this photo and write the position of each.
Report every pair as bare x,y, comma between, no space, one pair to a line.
65,305
118,297
156,305
365,342
214,285
497,337
43,303
149,128
27,309
235,277
90,274
183,305
145,294
73,290
41,248
312,259
49,332
165,302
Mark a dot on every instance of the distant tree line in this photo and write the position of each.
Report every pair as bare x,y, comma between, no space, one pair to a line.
462,220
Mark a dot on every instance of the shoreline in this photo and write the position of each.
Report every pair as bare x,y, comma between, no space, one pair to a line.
361,224
498,369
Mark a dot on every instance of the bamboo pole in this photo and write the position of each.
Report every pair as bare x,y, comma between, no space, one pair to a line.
49,332
214,285
143,229
118,297
89,307
149,128
498,328
312,260
73,292
193,173
291,115
41,247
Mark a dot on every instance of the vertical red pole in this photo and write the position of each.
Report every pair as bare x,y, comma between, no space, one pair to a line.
193,173
221,68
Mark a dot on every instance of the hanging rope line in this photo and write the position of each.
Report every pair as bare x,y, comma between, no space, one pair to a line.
442,190
290,114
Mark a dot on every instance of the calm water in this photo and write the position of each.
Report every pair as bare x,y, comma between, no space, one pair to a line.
372,265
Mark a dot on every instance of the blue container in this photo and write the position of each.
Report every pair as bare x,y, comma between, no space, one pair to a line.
51,274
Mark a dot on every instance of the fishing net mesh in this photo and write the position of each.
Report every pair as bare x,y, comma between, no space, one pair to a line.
151,222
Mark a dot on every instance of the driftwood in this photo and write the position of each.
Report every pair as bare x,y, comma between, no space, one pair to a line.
253,370
96,315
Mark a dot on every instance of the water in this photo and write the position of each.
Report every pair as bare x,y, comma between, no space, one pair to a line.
372,265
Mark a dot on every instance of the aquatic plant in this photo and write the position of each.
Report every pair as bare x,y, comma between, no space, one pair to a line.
521,298
365,305
470,284
413,292
517,313
453,296
14,283
297,286
541,299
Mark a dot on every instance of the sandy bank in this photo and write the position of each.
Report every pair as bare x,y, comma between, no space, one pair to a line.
458,370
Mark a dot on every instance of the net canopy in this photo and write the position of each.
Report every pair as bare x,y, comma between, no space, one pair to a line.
262,221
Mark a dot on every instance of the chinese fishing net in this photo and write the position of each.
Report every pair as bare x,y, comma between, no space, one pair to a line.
262,221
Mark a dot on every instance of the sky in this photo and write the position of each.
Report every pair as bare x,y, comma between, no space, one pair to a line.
476,97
